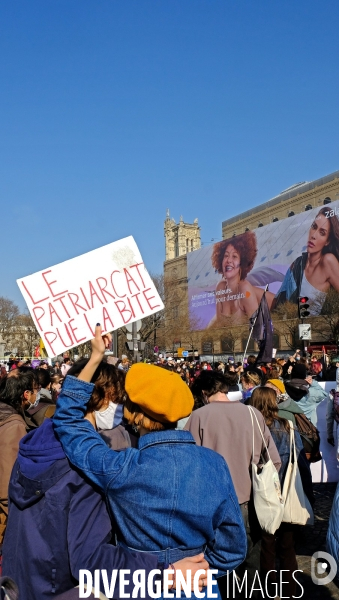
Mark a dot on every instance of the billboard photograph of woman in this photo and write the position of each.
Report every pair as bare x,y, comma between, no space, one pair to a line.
235,296
317,270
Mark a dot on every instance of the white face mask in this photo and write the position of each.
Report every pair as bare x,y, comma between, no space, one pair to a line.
37,400
205,367
110,417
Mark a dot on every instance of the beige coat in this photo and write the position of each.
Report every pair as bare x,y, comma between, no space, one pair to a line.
12,429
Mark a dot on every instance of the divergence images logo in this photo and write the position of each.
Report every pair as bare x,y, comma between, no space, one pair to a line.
320,563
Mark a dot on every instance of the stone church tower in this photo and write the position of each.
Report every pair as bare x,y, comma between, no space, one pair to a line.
180,238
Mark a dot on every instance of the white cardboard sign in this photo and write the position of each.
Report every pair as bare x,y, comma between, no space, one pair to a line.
110,286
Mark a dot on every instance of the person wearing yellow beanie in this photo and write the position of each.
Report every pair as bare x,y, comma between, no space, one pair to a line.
278,384
158,395
156,492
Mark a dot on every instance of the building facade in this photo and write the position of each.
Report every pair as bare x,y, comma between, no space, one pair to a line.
296,199
183,237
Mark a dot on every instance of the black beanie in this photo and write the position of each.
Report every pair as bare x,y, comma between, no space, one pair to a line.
296,388
299,371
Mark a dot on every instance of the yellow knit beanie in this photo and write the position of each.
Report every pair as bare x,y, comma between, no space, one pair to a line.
160,393
278,384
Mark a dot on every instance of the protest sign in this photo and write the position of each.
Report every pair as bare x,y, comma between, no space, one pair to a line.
110,286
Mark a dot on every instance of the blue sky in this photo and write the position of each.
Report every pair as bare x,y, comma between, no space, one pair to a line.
112,111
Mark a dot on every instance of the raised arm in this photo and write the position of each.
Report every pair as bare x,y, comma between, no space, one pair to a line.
82,444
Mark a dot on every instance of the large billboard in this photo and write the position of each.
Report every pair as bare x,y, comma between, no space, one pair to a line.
298,256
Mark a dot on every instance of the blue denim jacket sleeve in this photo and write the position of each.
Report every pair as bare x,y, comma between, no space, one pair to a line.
229,547
89,533
83,446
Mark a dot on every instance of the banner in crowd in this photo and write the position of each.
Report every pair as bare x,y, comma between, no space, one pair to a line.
110,286
297,256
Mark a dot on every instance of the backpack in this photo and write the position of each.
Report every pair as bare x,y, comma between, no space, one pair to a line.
310,437
44,410
335,396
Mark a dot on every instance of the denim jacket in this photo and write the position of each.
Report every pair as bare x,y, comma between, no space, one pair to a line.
167,496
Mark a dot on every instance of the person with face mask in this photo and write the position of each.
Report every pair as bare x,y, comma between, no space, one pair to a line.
105,409
18,394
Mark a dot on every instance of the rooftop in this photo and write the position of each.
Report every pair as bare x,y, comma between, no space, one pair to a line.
290,192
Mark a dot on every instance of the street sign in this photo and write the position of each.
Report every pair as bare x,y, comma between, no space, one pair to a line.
138,326
180,351
185,353
305,332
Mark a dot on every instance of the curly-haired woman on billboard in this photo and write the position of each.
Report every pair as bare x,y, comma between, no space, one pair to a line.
235,296
315,271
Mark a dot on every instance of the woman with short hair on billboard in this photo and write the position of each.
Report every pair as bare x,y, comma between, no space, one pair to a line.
314,272
235,296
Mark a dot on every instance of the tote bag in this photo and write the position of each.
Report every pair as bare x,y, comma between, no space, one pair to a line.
297,508
267,497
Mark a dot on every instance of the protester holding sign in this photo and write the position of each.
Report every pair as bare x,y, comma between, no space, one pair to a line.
157,492
58,522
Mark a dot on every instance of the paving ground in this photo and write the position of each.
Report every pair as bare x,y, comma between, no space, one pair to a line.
311,540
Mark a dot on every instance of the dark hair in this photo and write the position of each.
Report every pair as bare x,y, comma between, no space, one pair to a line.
276,372
245,244
24,369
57,378
251,359
12,393
109,383
264,399
44,377
231,378
209,382
333,239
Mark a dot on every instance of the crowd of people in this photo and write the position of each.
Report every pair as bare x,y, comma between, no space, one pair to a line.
109,465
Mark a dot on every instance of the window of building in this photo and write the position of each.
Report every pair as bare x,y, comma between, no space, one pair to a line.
234,234
207,346
275,219
291,213
308,207
276,341
327,200
192,245
187,246
175,312
227,344
252,346
260,224
247,229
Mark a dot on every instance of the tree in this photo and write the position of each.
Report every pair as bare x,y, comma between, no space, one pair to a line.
231,333
330,314
8,315
286,322
152,324
179,327
25,336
